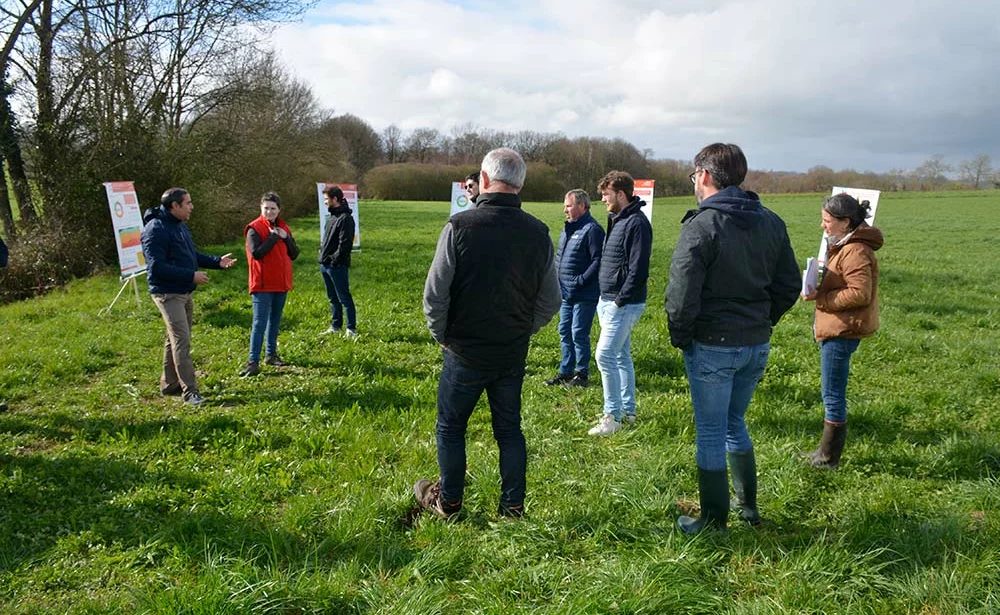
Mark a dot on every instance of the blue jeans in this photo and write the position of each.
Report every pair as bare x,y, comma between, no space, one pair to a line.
267,308
575,320
835,365
614,356
459,388
338,291
722,381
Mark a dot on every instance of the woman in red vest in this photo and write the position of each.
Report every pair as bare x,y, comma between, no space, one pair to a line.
270,252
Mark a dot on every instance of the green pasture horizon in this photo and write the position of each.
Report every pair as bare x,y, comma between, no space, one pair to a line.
291,492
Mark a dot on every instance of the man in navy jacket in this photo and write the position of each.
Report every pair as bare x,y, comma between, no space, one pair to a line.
577,260
623,278
172,264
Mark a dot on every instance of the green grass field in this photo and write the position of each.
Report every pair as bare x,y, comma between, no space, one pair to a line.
285,493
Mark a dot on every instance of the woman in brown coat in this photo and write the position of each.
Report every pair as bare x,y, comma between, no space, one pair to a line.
846,312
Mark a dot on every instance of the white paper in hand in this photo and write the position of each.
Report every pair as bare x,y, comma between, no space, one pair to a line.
810,277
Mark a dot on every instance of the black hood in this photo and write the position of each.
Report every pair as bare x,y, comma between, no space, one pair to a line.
157,212
743,205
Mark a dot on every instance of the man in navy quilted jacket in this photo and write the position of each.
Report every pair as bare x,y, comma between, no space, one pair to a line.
577,261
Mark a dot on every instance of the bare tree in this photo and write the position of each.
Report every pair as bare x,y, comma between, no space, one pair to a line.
422,144
975,170
392,143
931,173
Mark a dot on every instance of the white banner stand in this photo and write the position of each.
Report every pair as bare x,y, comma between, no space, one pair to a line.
127,222
135,286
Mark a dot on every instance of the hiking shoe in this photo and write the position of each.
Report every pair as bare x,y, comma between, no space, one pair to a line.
605,427
331,331
510,511
351,333
275,360
194,399
559,379
173,390
579,379
252,369
428,495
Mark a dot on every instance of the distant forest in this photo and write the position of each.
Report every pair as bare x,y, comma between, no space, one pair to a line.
181,93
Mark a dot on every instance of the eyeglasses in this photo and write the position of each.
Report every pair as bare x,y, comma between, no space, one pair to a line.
470,186
692,176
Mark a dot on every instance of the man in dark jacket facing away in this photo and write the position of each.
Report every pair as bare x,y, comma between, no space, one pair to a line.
623,275
492,285
335,261
577,261
733,275
172,264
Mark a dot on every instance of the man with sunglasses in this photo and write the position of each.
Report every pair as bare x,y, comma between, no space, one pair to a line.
472,187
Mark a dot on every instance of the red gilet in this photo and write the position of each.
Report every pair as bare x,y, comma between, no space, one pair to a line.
273,273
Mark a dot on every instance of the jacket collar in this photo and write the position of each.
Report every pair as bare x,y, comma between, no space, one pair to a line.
632,208
579,222
498,199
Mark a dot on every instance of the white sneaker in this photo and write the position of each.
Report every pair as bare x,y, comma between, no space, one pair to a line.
331,331
630,419
350,333
605,427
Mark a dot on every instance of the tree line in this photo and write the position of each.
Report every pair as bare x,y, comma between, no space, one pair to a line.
185,92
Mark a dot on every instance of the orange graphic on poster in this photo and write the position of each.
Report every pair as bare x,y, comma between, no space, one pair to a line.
130,237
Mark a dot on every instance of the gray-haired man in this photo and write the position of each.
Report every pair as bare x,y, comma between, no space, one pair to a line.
492,285
578,260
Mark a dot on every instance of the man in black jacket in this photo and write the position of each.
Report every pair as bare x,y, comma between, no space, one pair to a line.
623,275
733,275
491,286
172,264
335,261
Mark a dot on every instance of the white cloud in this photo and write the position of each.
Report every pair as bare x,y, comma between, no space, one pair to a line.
798,83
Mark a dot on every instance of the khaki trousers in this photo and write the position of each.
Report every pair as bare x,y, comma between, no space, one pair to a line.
178,368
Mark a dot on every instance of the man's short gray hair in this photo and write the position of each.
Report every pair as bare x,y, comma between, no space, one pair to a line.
580,197
505,165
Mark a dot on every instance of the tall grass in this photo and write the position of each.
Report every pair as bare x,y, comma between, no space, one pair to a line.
290,492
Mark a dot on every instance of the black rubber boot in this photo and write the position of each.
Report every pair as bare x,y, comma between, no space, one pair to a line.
713,491
827,456
743,471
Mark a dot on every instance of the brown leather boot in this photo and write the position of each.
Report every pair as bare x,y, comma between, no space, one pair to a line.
827,456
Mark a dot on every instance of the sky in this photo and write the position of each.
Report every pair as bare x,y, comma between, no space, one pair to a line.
797,83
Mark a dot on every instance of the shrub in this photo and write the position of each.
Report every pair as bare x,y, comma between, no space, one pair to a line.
47,255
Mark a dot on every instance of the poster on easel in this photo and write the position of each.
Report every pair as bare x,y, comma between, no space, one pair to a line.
351,195
460,200
126,218
815,267
644,190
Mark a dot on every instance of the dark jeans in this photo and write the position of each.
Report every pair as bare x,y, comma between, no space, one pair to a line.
267,309
459,388
338,290
835,366
575,320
